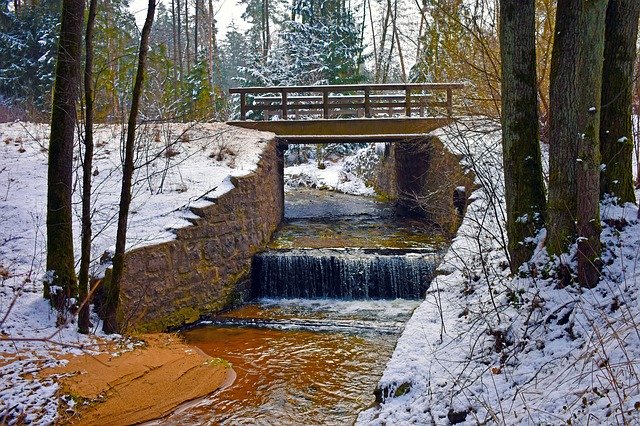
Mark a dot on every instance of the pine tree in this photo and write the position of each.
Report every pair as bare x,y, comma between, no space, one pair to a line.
27,55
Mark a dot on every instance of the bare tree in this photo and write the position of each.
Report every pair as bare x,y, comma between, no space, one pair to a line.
563,128
524,186
113,293
616,132
87,166
589,70
61,283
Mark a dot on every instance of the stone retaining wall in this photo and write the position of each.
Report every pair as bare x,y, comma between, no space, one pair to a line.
426,179
206,267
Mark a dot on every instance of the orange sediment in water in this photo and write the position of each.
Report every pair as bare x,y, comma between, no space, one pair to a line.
147,383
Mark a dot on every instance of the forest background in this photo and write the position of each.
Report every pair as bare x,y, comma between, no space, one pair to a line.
192,61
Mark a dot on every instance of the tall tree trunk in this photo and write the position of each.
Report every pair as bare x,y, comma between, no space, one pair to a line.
87,166
380,73
373,41
210,41
110,322
267,28
399,45
60,257
524,185
616,133
174,37
186,35
180,56
590,63
216,68
195,30
563,129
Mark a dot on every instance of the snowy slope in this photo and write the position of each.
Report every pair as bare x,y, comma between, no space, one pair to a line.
486,348
177,165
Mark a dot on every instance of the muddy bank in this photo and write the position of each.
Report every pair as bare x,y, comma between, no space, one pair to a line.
147,383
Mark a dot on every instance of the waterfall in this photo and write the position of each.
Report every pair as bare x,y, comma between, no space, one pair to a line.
343,273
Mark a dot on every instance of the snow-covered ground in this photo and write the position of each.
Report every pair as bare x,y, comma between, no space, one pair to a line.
483,347
488,349
178,165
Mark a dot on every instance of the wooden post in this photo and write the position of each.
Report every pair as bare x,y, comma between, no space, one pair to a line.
243,106
407,101
449,101
367,102
325,104
284,105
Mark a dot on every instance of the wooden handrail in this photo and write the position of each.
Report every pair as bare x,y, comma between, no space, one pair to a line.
330,100
348,87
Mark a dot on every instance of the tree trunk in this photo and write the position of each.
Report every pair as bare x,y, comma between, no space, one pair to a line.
616,134
397,37
87,166
110,322
180,57
524,185
186,35
590,63
563,129
195,30
266,36
174,38
60,258
379,75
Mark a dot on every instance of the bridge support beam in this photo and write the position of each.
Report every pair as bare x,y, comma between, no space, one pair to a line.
348,127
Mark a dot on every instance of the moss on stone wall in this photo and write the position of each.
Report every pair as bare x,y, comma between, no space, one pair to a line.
202,270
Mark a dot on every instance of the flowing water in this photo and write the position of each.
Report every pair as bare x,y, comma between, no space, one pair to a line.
298,362
301,358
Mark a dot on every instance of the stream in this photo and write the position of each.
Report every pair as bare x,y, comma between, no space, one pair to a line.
303,358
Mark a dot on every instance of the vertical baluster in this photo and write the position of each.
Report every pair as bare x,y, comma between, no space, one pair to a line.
325,104
407,101
367,102
285,111
243,106
449,101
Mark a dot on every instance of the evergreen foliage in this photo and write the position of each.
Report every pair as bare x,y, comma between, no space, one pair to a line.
27,51
321,46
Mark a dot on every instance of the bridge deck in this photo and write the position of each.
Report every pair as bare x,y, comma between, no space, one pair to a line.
374,112
349,130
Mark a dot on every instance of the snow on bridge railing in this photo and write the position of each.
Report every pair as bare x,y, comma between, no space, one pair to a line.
346,100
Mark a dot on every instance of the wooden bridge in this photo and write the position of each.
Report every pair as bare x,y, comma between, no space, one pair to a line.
347,112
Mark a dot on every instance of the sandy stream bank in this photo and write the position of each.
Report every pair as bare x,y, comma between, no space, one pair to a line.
140,385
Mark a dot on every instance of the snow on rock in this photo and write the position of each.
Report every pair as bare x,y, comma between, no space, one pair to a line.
487,348
178,165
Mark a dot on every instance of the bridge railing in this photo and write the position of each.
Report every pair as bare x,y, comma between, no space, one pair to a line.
347,100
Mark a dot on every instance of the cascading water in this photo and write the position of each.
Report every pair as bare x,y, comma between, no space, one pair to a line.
343,274
346,248
303,356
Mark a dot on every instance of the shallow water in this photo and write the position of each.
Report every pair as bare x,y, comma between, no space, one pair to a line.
297,361
312,361
324,219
